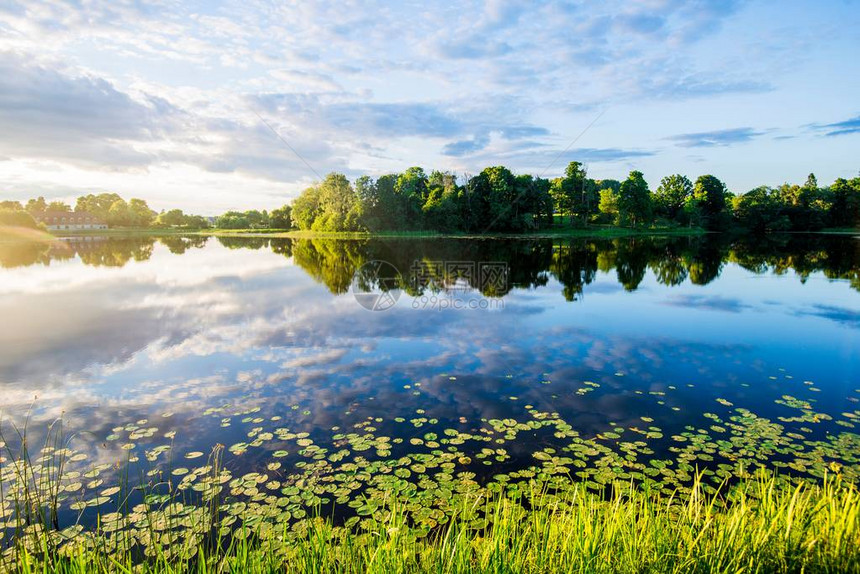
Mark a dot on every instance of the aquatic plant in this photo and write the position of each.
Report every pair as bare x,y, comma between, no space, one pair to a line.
761,524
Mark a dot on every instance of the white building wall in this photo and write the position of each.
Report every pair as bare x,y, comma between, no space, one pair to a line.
75,226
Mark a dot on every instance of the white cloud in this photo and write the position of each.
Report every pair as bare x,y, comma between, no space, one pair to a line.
158,98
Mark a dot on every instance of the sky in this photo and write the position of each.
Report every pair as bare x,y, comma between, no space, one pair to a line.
209,106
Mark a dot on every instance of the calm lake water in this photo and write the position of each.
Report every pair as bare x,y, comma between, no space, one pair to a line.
632,334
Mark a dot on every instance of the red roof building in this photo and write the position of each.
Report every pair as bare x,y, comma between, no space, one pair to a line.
73,220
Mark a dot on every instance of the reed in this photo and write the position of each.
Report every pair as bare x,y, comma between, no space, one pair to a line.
759,525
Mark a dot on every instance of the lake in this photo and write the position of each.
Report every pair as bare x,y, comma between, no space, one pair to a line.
321,365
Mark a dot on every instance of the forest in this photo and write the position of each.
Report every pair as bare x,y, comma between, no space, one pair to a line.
498,201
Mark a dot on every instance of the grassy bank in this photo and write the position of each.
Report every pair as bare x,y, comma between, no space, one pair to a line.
759,525
594,231
841,231
607,232
352,503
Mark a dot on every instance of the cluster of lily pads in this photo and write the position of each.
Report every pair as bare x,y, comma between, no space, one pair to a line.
430,470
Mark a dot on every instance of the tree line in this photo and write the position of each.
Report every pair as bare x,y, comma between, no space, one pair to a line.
109,207
496,200
116,212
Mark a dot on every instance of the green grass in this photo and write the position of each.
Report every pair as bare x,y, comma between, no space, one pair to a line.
760,525
548,521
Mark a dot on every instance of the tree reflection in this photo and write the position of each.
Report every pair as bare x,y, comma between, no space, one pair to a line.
631,261
178,245
705,260
574,265
94,251
332,262
836,257
244,242
454,264
26,253
114,252
575,262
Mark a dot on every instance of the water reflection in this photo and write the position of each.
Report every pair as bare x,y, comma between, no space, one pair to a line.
122,329
573,262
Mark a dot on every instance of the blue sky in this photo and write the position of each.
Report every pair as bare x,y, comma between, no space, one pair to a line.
164,100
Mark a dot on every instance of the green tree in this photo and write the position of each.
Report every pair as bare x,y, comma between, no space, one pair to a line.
412,189
561,199
672,195
442,179
140,215
761,210
257,219
440,211
306,208
590,199
196,222
845,203
634,201
338,205
232,220
392,206
789,195
118,214
710,195
501,198
172,218
252,219
281,218
609,204
534,196
60,206
612,184
36,205
98,205
574,186
805,206
370,205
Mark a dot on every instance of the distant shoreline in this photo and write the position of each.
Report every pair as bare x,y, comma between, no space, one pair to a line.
608,232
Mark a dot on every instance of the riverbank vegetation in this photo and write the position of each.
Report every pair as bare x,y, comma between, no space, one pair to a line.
498,201
760,525
740,493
